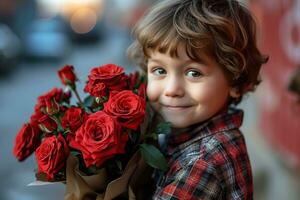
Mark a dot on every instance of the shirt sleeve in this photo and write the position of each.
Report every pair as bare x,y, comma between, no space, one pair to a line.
196,181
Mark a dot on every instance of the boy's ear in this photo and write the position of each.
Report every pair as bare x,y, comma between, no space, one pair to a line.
234,92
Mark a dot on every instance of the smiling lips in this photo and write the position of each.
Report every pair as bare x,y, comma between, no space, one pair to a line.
175,107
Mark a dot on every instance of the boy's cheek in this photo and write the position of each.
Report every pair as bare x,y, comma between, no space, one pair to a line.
153,92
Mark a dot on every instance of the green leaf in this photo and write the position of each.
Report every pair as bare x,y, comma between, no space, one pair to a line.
92,169
75,153
98,108
88,101
135,91
142,78
133,136
154,157
163,128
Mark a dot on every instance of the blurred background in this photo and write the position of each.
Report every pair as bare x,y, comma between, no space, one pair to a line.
38,37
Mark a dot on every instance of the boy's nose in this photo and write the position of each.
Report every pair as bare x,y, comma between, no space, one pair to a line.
174,87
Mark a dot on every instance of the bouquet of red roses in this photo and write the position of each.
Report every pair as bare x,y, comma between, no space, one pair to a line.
95,145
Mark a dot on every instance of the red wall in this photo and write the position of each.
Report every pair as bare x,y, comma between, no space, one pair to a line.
279,28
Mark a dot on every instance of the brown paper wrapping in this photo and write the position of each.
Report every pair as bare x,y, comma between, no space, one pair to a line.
141,183
80,187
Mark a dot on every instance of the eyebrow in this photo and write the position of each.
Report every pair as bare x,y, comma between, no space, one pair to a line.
189,61
154,60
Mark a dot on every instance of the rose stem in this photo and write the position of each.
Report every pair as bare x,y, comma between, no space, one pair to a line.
77,96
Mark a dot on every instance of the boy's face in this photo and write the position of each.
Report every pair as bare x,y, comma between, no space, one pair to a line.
186,92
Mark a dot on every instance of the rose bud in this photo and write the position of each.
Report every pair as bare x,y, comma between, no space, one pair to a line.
34,119
67,75
47,124
52,107
55,93
27,140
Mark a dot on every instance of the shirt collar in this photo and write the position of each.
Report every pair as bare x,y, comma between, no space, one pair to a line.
231,119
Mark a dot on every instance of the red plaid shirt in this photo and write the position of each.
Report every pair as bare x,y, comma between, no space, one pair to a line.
207,161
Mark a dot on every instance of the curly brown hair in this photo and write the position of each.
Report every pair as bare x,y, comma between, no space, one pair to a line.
222,29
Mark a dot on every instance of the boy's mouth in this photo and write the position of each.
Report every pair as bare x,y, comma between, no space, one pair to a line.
175,107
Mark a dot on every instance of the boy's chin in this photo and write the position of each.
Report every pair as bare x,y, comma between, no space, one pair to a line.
179,126
179,123
176,121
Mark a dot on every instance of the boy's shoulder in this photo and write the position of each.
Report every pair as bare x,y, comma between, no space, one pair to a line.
223,147
216,156
216,149
216,142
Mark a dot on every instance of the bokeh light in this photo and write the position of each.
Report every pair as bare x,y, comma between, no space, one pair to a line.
83,20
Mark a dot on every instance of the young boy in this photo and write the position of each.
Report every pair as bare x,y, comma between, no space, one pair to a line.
200,57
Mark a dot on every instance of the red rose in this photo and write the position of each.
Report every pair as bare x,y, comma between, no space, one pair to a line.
55,94
133,80
51,155
112,76
63,109
142,91
27,140
99,138
70,137
136,84
47,124
127,107
96,89
34,119
67,75
52,107
73,118
67,95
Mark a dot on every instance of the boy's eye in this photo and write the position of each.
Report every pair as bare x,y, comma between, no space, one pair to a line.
159,71
193,73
